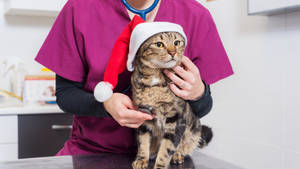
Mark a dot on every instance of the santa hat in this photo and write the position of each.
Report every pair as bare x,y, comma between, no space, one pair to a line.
125,49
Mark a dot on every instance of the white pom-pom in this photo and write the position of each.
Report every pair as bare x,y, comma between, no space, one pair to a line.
103,91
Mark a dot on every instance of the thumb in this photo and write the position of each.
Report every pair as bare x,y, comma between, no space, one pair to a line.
140,115
127,102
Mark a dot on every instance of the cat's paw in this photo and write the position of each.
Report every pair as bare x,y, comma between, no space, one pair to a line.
177,159
146,109
140,164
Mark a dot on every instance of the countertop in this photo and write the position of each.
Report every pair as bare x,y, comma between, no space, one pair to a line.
110,161
30,109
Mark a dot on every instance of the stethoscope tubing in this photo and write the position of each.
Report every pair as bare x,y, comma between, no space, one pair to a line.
142,13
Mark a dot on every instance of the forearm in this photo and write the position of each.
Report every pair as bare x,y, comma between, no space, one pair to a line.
71,98
202,106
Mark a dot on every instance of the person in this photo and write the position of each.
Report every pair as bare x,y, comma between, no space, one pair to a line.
78,47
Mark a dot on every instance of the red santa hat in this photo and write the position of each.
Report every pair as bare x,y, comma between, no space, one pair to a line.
125,49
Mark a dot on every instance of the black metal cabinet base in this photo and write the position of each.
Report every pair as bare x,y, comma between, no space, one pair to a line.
42,135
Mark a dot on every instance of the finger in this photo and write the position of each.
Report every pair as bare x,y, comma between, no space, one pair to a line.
125,122
185,75
137,125
127,102
135,117
189,65
178,92
138,116
177,80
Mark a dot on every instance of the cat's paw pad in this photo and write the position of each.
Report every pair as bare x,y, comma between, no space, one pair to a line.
177,159
140,164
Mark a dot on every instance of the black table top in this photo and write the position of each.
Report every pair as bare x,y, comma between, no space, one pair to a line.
110,161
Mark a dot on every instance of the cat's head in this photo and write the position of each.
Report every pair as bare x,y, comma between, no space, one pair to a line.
162,50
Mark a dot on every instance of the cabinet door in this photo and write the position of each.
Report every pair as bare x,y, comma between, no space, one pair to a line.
293,3
34,7
8,152
261,6
8,129
42,135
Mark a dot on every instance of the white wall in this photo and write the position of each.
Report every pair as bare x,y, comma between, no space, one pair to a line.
22,36
256,117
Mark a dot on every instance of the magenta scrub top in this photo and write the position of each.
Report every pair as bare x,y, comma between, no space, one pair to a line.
78,47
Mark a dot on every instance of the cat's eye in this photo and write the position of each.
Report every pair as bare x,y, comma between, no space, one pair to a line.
177,43
159,44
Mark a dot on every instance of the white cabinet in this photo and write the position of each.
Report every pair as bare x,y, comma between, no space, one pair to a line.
293,2
268,7
8,129
8,137
8,152
34,7
259,6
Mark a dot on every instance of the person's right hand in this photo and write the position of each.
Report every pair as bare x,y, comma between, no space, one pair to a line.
121,108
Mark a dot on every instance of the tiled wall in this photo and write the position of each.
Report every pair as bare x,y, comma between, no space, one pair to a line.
256,115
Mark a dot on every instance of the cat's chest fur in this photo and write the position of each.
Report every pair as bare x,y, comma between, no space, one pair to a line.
152,92
155,81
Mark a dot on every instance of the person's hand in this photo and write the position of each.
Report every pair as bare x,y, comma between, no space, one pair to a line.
122,110
188,85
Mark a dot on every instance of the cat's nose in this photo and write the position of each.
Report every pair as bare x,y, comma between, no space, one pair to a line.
172,53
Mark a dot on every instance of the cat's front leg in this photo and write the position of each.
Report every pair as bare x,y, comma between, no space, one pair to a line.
174,131
143,140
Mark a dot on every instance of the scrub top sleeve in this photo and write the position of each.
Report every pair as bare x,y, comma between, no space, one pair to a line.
61,52
208,53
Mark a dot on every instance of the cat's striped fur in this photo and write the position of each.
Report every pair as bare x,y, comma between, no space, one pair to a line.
175,131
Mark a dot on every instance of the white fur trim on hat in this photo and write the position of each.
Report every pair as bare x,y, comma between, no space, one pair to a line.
103,91
143,31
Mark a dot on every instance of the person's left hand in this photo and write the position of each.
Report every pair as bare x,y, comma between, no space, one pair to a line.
188,85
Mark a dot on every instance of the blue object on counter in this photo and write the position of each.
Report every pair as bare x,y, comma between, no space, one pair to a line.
142,13
50,102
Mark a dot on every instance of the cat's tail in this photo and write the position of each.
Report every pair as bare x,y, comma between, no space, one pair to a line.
206,136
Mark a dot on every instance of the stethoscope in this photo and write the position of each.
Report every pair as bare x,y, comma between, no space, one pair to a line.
143,14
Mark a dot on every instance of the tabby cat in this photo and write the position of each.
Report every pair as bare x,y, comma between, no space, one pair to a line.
175,131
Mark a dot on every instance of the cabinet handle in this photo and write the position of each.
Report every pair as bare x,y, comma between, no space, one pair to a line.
61,127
